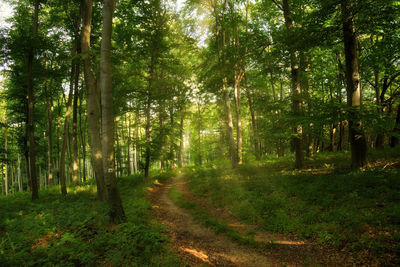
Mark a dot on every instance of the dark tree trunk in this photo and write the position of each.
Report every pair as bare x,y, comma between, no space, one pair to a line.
75,163
117,213
49,102
147,112
180,151
356,136
296,92
83,138
394,140
31,107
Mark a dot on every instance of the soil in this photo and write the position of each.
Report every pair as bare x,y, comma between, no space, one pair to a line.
201,246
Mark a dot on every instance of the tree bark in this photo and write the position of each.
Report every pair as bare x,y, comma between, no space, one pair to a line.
148,111
394,140
253,124
83,138
117,213
6,163
93,103
296,92
229,125
20,189
50,109
75,163
239,138
357,139
180,151
199,133
66,128
31,107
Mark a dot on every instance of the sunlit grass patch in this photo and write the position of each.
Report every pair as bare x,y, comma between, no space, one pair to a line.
351,210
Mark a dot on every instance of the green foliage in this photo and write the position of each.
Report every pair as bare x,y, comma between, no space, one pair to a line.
74,230
352,210
218,225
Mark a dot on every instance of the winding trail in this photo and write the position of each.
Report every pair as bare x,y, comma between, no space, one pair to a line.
201,246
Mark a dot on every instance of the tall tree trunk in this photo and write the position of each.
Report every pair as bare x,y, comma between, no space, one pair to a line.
357,139
180,151
73,83
128,143
253,124
93,103
296,92
148,111
379,137
229,125
50,108
75,164
31,106
83,138
6,163
394,140
117,213
66,129
20,189
239,138
172,139
162,136
199,132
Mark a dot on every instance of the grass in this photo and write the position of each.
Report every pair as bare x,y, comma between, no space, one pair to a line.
217,225
351,210
74,230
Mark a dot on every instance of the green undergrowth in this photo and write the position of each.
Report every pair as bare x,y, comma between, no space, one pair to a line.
75,231
219,226
351,210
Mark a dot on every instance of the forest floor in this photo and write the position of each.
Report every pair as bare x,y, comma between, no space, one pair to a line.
203,235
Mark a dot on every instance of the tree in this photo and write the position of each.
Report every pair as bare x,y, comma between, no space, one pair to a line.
93,102
114,200
357,138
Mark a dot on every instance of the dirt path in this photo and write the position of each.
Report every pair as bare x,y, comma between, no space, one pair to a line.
200,246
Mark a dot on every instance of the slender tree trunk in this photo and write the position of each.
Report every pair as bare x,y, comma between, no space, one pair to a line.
162,136
199,133
73,83
128,143
180,151
229,125
6,163
253,124
357,139
117,213
93,104
20,189
83,138
75,164
50,108
239,138
394,140
31,107
172,139
66,129
379,136
27,163
296,92
148,111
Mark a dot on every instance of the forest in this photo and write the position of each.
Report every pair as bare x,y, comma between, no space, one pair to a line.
199,133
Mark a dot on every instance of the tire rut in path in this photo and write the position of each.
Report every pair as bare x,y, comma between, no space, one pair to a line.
197,244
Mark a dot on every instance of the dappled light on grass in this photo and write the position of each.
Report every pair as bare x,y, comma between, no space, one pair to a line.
45,240
198,254
286,242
